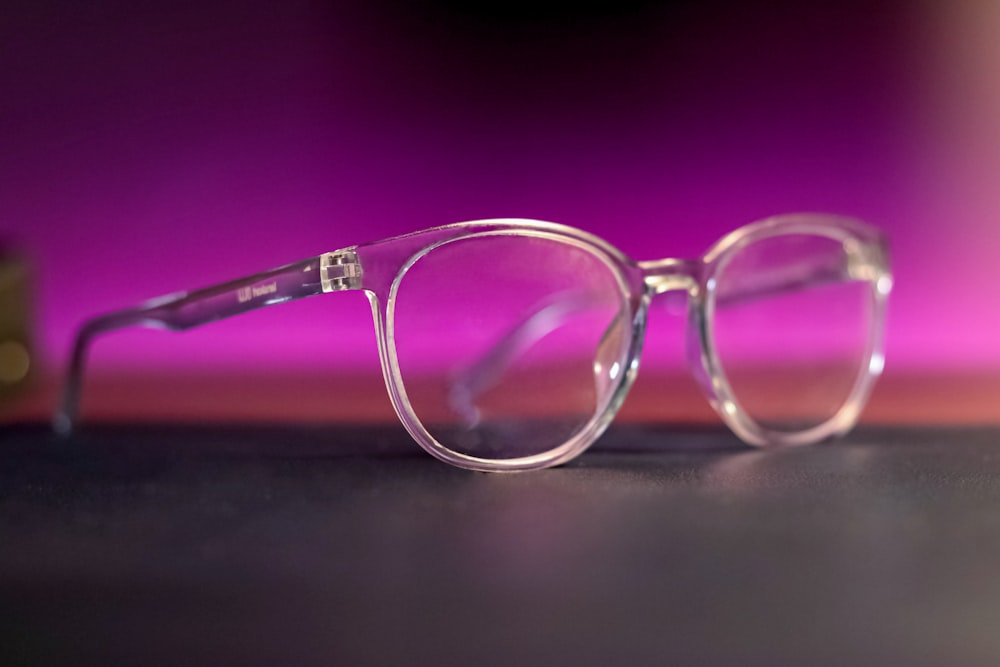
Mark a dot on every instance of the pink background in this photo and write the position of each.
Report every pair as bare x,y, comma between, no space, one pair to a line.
147,150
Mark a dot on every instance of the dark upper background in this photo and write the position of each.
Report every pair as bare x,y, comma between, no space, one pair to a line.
151,147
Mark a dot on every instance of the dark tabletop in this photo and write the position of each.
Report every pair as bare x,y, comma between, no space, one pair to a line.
347,545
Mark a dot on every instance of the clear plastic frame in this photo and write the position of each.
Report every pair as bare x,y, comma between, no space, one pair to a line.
510,344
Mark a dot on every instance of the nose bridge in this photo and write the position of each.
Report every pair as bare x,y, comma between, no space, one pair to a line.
670,275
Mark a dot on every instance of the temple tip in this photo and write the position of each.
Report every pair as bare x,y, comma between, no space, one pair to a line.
62,424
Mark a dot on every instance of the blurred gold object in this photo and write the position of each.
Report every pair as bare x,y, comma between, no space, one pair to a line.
17,362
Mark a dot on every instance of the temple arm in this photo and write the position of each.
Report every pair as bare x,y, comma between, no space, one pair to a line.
807,273
486,371
325,273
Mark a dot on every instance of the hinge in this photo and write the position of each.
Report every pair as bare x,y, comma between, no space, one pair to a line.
864,261
340,271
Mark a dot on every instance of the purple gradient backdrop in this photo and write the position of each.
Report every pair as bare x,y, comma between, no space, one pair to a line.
146,150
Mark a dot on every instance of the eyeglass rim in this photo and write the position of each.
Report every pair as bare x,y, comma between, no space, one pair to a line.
637,294
871,243
383,308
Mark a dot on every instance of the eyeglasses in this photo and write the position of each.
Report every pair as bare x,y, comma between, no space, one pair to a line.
511,344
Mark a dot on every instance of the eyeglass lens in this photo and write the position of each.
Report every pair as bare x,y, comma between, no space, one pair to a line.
509,346
791,329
